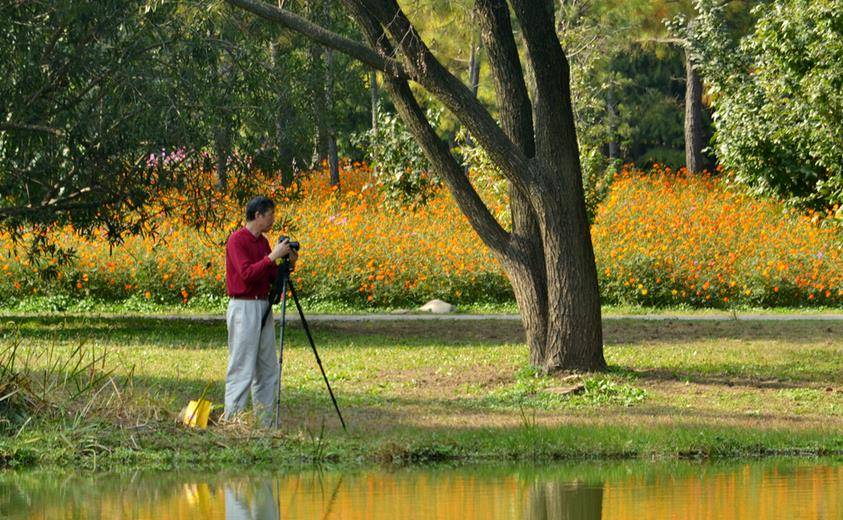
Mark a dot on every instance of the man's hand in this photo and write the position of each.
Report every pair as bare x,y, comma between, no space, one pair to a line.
281,250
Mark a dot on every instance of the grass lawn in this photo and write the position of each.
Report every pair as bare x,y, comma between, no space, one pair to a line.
420,391
68,306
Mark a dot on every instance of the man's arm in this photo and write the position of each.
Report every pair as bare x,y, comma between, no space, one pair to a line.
248,269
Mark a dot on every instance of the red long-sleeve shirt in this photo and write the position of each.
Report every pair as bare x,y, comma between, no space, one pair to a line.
248,269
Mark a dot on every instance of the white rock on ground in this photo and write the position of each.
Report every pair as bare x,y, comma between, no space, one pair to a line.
437,307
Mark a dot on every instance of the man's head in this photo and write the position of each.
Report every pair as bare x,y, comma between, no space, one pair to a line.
260,212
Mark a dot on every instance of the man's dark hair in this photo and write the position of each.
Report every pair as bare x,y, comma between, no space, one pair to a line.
259,204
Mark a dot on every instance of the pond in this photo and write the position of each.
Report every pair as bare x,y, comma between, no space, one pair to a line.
777,488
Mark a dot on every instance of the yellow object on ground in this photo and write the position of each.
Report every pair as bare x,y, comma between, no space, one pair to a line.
196,414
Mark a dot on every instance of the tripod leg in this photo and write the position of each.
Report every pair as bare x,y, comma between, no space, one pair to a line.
315,353
281,348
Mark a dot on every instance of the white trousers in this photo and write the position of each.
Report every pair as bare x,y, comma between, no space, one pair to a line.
252,361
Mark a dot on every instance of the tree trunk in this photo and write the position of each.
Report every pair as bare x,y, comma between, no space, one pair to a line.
473,78
330,132
550,245
222,135
318,75
525,269
283,143
574,328
694,159
333,158
222,148
373,94
612,116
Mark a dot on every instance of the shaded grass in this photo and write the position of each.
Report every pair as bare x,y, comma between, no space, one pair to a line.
64,304
424,391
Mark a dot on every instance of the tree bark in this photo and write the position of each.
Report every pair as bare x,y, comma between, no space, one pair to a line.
317,105
330,131
283,143
322,84
694,159
525,264
222,148
548,256
333,157
473,78
574,328
612,115
222,135
373,94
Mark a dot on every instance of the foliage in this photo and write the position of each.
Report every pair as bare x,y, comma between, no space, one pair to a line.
777,97
109,106
400,169
76,131
661,238
627,88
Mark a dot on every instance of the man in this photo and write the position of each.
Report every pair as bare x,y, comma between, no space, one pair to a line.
250,267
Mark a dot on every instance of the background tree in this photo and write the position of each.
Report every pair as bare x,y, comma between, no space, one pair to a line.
777,97
106,106
77,131
629,82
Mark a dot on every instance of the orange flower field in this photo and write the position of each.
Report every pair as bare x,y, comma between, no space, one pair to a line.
671,238
660,238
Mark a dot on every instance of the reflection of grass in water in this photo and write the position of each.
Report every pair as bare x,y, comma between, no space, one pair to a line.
421,392
149,491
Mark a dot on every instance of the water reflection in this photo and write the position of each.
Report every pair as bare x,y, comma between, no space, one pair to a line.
772,489
564,501
251,502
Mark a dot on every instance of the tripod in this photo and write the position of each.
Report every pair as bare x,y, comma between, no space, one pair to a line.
279,293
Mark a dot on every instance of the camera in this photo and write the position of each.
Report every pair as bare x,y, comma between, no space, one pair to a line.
293,245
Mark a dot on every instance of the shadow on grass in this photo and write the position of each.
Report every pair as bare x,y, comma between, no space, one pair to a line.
650,332
778,376
795,367
306,410
195,333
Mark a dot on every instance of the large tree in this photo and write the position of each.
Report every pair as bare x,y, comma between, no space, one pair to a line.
548,254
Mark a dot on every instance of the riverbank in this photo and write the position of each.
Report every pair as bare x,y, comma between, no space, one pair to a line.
416,391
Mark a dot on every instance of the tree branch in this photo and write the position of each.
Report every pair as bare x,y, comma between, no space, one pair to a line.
553,114
516,116
515,110
424,69
682,42
367,55
32,128
452,92
436,150
59,207
547,59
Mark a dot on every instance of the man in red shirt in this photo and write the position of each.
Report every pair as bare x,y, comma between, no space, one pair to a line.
250,267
